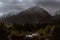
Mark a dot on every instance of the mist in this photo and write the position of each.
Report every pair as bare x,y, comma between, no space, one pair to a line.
7,6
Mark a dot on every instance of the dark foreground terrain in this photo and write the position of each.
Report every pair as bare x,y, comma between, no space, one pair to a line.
29,31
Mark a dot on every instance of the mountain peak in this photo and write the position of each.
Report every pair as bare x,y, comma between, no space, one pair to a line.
35,10
32,15
35,7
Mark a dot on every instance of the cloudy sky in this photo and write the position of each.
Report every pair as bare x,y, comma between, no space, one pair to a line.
7,6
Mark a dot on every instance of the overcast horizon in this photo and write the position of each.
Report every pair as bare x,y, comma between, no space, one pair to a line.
7,6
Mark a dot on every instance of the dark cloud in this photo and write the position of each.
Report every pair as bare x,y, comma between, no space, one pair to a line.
50,4
19,5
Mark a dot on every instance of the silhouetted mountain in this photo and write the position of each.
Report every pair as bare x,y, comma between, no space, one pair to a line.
32,15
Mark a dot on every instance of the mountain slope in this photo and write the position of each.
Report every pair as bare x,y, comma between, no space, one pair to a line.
32,15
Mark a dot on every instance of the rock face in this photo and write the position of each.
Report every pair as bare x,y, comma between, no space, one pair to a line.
32,15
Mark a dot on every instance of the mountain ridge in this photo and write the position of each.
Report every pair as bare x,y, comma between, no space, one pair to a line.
31,15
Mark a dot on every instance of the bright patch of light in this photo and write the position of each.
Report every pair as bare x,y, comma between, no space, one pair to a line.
20,0
1,14
29,36
1,4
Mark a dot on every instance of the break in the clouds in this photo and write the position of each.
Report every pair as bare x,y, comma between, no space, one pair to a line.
7,6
